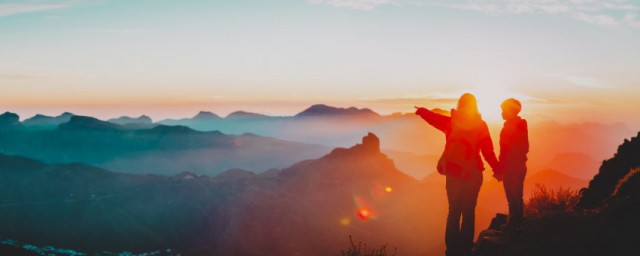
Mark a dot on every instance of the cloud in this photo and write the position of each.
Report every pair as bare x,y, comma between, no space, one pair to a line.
598,19
632,20
582,81
353,4
604,13
416,101
124,31
13,9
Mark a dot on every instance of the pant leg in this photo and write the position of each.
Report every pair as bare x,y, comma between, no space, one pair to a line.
470,199
513,187
452,234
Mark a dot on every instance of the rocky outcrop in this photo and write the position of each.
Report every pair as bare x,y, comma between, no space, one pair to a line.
492,241
10,121
605,222
611,172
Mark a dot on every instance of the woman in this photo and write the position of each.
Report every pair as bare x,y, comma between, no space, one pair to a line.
466,136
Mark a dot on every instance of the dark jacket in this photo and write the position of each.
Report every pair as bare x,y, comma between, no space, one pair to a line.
476,133
514,144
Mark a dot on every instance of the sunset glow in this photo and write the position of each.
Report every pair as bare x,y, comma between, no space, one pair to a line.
228,56
313,127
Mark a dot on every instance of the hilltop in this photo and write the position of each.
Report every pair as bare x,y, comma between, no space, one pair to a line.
600,220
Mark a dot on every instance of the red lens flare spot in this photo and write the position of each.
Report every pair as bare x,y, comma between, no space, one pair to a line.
364,213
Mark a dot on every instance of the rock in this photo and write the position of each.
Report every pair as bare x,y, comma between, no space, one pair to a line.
493,240
371,143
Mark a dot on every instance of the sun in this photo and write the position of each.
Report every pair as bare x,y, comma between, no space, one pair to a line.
489,100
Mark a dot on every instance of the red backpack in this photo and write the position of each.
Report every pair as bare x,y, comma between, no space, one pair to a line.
458,159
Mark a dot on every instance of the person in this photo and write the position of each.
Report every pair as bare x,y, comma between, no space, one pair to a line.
466,136
512,167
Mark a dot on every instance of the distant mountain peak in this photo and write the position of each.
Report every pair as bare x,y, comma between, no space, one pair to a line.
204,115
10,121
245,114
186,175
40,121
319,110
364,161
235,175
41,116
88,123
9,116
123,120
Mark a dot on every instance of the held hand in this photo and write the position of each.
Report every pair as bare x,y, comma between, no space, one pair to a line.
499,176
498,172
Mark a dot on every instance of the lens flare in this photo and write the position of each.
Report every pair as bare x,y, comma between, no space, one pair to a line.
364,213
364,209
388,189
345,221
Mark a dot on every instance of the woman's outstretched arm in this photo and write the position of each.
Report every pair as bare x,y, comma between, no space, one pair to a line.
440,122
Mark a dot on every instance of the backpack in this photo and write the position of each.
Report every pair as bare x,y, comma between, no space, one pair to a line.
458,159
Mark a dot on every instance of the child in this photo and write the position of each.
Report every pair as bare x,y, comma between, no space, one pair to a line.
514,146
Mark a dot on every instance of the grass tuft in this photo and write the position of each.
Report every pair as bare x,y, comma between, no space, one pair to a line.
362,250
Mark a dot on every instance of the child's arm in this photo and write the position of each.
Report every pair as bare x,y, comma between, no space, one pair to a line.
525,136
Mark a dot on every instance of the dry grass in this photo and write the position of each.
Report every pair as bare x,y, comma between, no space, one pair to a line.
362,250
544,201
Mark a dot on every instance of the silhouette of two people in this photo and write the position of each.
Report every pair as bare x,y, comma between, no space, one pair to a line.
467,136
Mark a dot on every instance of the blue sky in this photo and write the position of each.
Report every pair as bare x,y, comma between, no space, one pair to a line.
172,58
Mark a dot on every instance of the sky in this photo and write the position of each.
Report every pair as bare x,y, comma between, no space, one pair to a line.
567,60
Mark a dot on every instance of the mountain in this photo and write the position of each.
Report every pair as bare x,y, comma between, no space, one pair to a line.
415,165
203,120
244,114
321,110
47,122
205,115
319,124
232,175
91,209
161,150
10,121
311,207
579,165
125,120
596,140
553,179
308,208
86,123
575,149
611,172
